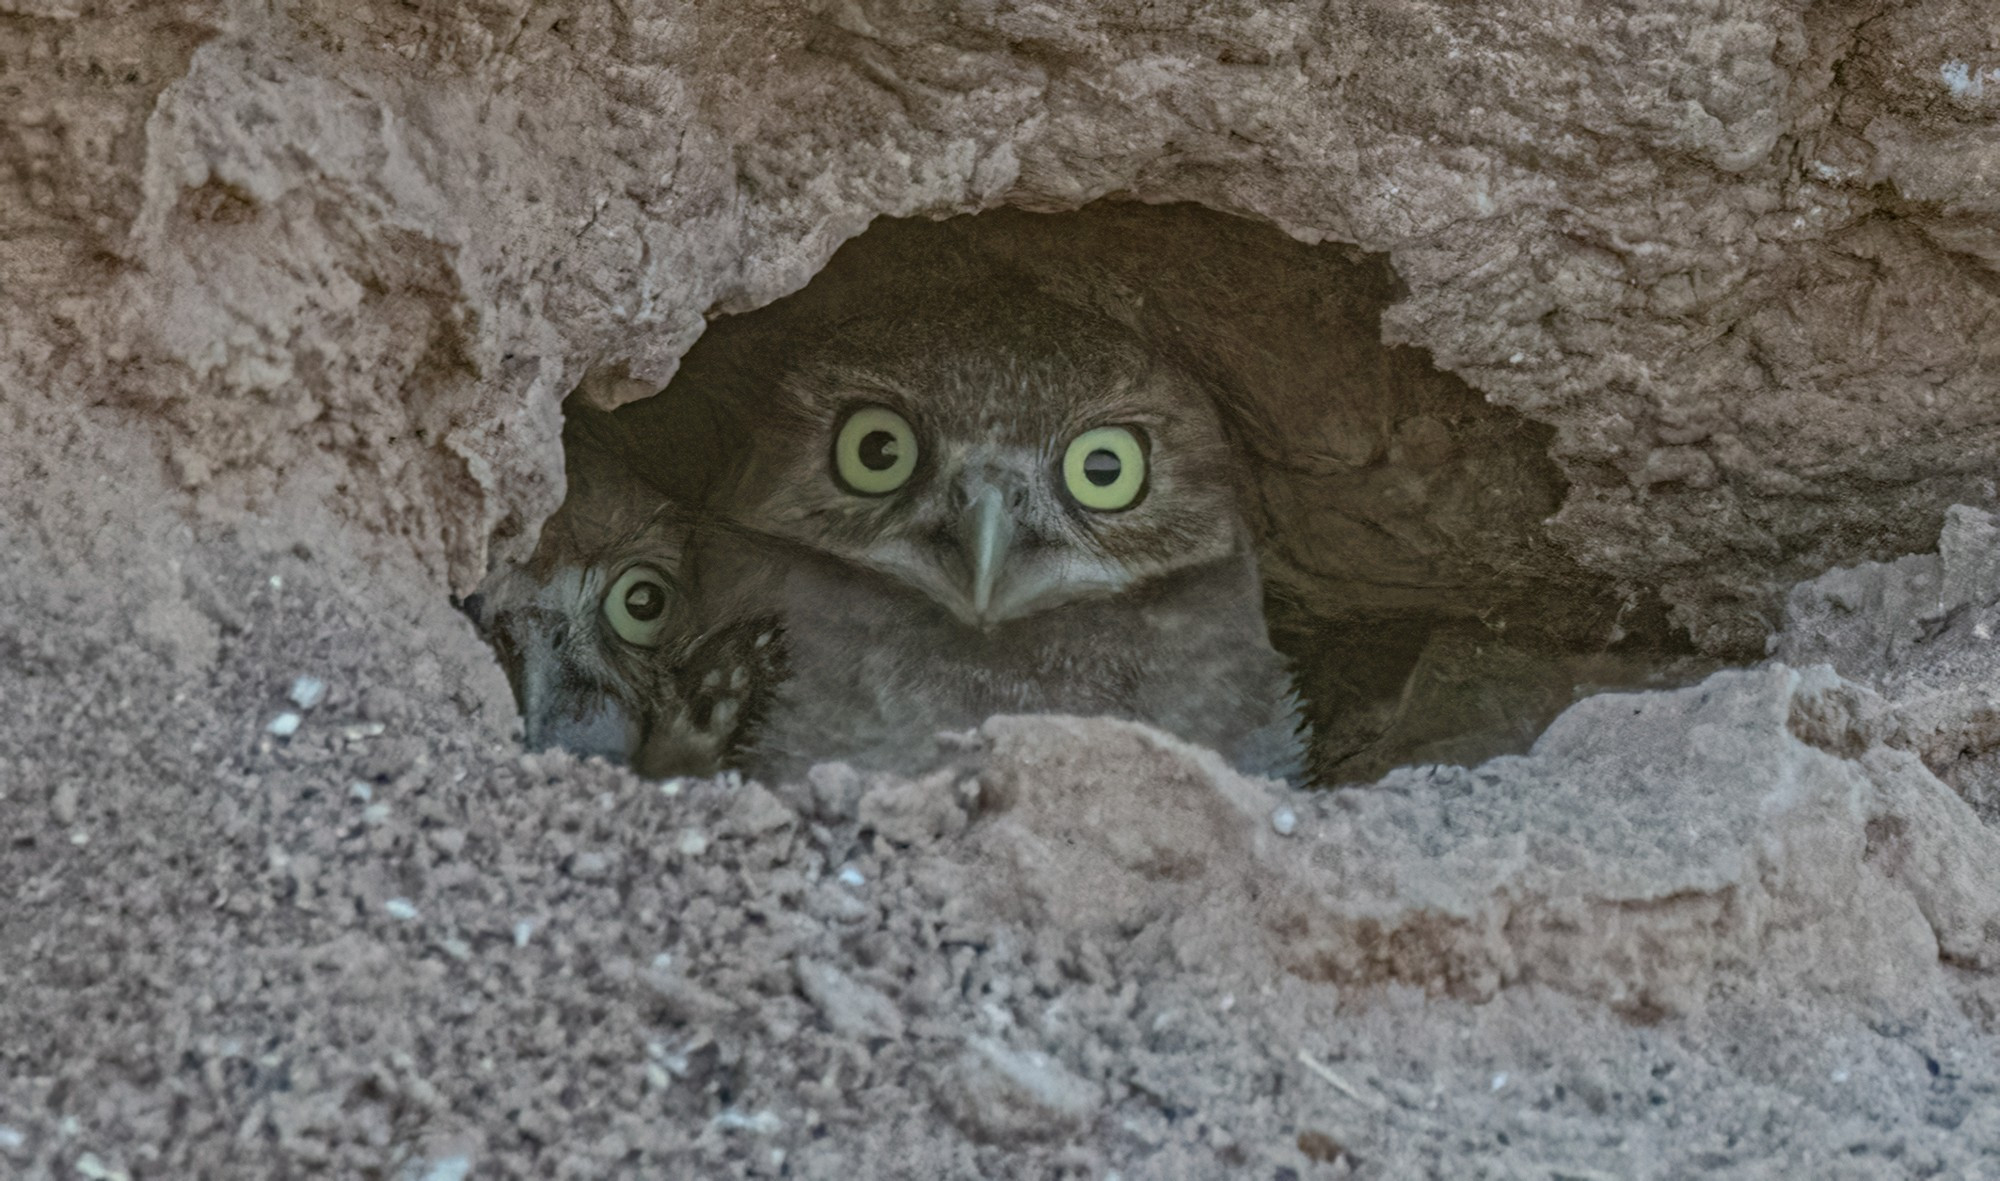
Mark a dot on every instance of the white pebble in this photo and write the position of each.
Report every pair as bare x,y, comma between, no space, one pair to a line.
307,692
1285,822
1227,1002
277,582
670,787
693,843
400,908
284,725
360,791
764,1123
1840,1076
523,930
852,876
1500,1080
449,1168
375,814
11,1139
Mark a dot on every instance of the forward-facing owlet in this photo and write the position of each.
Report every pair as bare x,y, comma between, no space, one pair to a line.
992,503
605,641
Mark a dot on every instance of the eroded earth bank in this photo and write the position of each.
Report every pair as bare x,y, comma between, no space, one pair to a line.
290,301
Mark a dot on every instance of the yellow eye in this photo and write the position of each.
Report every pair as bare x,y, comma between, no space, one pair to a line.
638,607
1105,469
875,451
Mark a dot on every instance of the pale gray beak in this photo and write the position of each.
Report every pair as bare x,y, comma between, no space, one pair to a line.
986,530
561,710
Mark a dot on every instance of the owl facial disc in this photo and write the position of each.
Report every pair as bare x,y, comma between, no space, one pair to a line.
1002,458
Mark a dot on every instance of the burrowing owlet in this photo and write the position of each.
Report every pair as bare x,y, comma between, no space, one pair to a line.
604,639
998,502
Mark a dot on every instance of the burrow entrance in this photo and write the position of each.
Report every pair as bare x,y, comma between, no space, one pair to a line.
1398,514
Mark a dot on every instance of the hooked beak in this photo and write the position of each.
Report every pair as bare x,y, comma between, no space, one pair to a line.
986,531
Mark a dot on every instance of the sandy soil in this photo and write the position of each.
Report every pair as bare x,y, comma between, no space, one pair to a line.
1676,938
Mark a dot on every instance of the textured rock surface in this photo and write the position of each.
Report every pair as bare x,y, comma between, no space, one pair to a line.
289,299
1732,254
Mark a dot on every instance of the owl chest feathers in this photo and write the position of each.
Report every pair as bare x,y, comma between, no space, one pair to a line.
876,674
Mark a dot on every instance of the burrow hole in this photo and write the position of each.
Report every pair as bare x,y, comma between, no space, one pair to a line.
1397,512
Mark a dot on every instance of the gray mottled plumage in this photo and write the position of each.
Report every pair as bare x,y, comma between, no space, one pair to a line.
983,585
653,680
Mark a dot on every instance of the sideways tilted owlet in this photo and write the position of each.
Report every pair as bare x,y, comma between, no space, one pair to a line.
605,640
991,503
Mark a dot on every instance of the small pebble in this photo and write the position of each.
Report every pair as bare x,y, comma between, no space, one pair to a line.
1500,1080
307,692
360,791
10,1140
400,908
1285,822
375,814
693,843
671,787
852,876
764,1123
449,1168
284,725
523,930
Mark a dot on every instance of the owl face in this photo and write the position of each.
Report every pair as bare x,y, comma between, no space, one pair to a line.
607,655
1004,458
583,637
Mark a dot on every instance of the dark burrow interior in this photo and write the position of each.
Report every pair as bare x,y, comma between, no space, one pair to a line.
1398,513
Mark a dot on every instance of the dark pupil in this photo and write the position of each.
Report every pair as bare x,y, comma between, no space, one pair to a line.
1101,468
878,451
645,601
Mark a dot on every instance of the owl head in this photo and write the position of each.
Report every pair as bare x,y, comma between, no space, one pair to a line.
999,451
604,647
